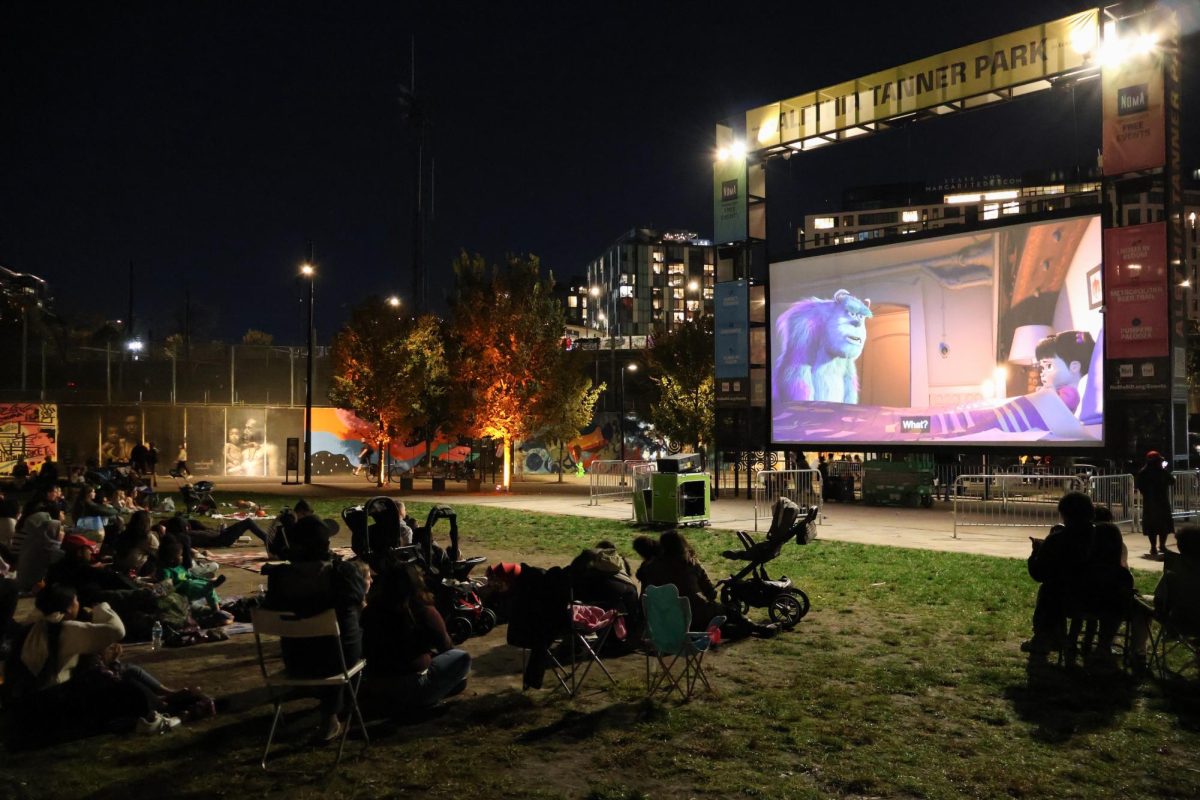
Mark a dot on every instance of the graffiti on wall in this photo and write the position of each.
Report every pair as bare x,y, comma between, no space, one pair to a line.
339,436
28,430
600,441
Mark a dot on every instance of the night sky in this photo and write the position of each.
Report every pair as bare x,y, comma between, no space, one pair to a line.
207,142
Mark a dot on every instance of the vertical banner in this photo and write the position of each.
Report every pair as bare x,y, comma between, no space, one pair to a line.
731,326
1135,282
729,199
1134,134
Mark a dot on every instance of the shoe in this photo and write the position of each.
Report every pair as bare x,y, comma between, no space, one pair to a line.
333,730
1035,646
217,581
768,631
245,539
157,723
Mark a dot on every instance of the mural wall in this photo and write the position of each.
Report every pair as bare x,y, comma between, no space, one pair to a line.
250,441
29,430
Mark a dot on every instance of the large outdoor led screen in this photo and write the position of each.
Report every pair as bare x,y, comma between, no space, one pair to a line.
986,338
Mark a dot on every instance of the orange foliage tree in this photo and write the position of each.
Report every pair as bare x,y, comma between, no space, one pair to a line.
505,327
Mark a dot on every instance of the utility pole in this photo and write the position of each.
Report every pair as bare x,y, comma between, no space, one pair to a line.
416,114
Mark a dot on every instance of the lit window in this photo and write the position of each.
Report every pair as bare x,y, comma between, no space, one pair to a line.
1011,208
823,223
678,294
626,291
909,216
572,302
677,268
679,316
991,211
963,198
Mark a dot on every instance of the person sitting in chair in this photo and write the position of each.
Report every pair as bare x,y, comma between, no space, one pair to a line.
313,581
677,564
1055,563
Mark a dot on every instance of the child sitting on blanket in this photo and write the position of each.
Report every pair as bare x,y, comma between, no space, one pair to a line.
170,559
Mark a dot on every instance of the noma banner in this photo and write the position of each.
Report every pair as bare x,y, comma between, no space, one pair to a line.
1135,287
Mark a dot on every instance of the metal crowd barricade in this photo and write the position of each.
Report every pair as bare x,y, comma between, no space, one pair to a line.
801,486
1010,500
610,480
1117,494
639,478
1185,494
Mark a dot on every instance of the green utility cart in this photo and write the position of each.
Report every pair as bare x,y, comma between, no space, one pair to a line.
898,483
678,494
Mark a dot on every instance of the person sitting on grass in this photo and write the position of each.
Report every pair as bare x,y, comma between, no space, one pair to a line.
677,564
1056,562
411,661
52,690
95,515
170,568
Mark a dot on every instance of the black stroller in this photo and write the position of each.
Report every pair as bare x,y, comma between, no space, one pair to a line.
752,587
197,497
377,533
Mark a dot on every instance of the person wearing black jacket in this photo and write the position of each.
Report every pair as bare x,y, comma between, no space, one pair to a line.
313,581
1056,563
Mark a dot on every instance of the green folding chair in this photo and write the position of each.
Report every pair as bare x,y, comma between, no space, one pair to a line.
678,651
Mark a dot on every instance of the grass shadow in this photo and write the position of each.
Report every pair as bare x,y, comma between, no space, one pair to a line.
1063,703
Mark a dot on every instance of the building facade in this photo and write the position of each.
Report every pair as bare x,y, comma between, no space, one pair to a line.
645,281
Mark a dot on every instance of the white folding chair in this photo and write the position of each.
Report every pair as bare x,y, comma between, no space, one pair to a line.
286,625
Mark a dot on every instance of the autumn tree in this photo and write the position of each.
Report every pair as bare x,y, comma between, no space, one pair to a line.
567,402
682,368
373,368
422,384
506,325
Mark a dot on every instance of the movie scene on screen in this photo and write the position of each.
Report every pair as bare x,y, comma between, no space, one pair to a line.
988,338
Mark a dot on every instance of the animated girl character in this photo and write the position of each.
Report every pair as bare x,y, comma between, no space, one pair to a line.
1063,360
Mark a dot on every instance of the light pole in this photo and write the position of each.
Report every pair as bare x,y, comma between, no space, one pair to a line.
309,272
631,368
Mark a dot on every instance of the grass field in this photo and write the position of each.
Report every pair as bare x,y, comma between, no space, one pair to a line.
905,681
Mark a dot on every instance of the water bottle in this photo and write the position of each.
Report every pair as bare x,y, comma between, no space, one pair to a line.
156,636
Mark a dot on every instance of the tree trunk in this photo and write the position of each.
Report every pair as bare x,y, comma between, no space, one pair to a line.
379,471
507,474
561,446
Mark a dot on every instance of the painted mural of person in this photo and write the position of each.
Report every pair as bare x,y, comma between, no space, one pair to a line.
234,459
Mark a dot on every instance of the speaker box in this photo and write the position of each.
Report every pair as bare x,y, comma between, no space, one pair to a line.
686,462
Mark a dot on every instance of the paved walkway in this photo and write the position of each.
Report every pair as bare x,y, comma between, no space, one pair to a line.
924,529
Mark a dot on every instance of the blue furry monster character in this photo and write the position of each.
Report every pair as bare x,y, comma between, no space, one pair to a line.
821,340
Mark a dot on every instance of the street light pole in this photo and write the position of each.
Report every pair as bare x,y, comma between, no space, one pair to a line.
308,271
632,368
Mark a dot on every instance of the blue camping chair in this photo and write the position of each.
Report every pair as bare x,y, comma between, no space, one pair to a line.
679,652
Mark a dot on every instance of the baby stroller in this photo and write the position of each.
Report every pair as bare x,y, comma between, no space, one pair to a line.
377,534
752,587
448,576
197,497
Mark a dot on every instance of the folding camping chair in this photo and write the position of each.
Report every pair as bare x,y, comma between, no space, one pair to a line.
1175,646
287,626
668,617
556,633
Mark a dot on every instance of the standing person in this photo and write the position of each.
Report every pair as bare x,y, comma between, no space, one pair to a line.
181,465
20,473
152,462
364,458
139,459
1154,481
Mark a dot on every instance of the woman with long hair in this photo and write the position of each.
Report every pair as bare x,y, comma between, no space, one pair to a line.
1154,481
411,661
